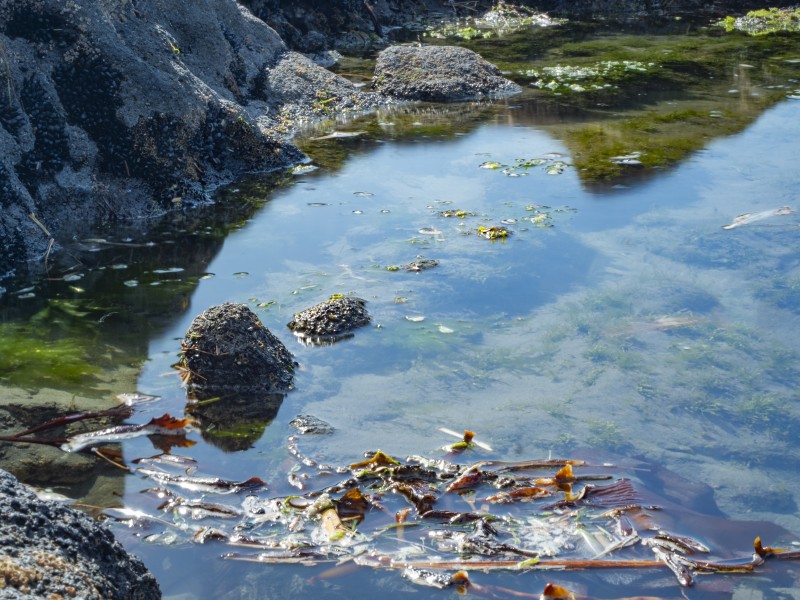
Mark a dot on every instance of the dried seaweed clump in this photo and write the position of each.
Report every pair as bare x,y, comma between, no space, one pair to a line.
228,350
331,319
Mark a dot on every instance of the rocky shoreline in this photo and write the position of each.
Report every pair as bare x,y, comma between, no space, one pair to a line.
121,112
48,550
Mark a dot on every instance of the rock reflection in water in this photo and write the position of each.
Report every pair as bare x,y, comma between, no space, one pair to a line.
233,422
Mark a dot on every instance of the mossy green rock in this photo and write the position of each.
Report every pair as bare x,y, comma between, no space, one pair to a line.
438,74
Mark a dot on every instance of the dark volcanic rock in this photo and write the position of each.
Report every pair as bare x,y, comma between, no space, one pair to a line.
438,74
227,350
114,109
52,551
331,319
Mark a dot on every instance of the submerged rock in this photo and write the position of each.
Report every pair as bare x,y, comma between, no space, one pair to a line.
421,264
227,350
309,424
438,74
330,320
52,551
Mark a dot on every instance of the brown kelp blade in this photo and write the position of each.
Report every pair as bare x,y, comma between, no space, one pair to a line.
164,424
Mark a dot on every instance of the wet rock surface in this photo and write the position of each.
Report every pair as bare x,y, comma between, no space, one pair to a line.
421,264
331,319
311,425
114,111
52,551
227,350
438,74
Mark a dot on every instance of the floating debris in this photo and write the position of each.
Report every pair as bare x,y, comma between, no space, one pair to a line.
167,270
467,440
550,163
205,485
494,233
339,135
135,398
631,159
430,231
458,214
748,218
164,424
303,169
534,515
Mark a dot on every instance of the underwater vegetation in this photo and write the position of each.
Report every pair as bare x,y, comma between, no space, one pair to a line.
648,101
52,348
600,76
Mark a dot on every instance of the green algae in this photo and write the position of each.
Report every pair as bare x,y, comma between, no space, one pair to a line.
764,21
658,140
601,76
661,96
50,349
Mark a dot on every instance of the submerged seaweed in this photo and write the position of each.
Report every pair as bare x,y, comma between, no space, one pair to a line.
428,518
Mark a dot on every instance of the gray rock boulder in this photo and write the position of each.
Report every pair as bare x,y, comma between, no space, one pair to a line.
120,109
438,74
52,551
227,350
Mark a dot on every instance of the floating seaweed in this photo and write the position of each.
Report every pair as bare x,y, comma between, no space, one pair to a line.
748,218
435,521
165,424
494,232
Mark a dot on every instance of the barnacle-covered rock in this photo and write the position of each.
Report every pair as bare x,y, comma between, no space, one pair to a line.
228,350
330,320
48,550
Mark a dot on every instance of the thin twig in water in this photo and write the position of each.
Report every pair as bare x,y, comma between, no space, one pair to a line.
116,411
39,224
99,453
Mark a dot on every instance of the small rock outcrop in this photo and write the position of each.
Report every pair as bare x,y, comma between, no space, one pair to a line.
330,320
48,550
438,74
227,350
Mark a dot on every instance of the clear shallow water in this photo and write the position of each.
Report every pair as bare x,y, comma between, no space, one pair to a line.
634,326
